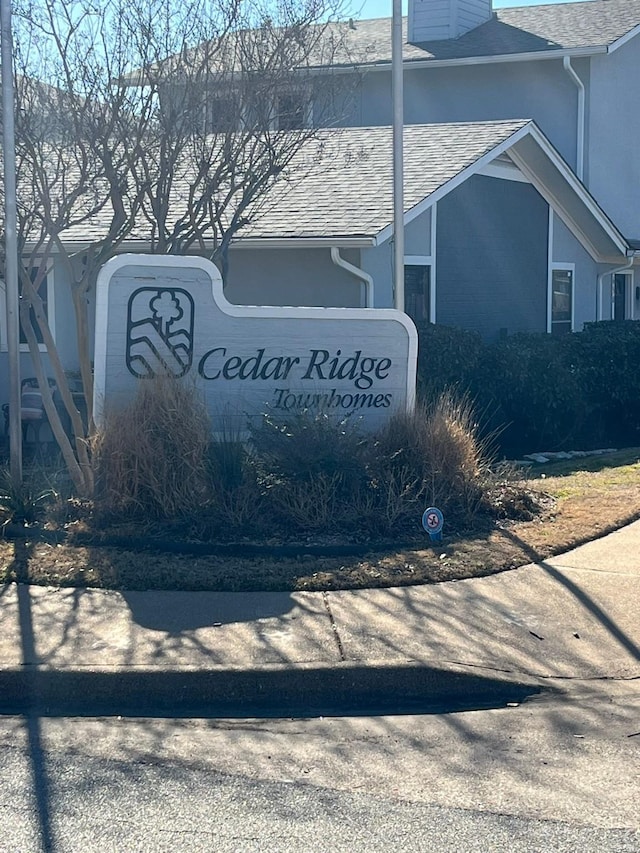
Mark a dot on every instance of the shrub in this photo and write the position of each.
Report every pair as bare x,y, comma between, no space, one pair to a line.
151,457
320,474
606,356
539,391
448,359
312,469
530,387
236,498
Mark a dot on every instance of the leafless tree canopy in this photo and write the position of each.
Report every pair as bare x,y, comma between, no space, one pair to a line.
161,121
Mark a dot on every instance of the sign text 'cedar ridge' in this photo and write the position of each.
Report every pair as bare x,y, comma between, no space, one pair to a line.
165,314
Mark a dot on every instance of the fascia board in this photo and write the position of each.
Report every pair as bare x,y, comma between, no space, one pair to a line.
136,78
339,241
624,39
409,64
387,232
343,242
578,187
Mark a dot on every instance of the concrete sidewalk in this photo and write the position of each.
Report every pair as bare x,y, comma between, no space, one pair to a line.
562,625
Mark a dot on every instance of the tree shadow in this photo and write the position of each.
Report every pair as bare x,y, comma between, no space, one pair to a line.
177,613
37,759
580,595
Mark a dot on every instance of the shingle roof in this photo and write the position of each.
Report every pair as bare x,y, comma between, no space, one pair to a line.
526,29
341,184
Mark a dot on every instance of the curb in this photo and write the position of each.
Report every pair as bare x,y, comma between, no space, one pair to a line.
274,691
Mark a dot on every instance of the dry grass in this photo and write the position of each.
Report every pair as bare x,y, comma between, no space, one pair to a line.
151,456
435,453
587,499
308,475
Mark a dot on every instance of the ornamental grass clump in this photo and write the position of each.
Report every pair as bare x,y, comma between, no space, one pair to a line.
151,456
320,473
312,474
430,456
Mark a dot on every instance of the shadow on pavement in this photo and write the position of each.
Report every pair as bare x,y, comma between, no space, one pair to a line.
308,691
161,611
580,595
37,759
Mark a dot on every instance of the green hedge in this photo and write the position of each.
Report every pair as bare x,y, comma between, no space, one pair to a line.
542,392
448,359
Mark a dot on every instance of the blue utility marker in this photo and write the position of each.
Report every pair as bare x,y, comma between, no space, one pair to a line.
433,522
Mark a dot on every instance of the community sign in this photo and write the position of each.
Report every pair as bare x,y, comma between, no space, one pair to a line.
164,314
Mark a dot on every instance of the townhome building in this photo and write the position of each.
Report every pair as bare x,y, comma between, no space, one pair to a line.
498,248
521,184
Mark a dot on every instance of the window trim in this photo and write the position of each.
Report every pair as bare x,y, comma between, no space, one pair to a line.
423,261
569,267
629,302
306,103
51,312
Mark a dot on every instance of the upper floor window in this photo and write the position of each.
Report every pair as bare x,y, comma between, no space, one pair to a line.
222,115
291,111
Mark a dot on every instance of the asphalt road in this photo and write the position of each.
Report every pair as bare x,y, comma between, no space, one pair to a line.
543,776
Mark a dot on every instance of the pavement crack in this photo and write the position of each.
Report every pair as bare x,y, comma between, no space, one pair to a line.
334,627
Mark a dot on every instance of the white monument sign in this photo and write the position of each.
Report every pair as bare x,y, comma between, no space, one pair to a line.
159,313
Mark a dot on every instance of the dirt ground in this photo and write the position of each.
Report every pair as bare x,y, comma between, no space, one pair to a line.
575,501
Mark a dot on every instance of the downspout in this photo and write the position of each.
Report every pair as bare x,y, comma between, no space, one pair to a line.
580,130
339,261
397,102
599,286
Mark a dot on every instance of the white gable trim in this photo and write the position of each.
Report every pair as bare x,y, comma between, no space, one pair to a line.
624,39
460,178
529,129
578,187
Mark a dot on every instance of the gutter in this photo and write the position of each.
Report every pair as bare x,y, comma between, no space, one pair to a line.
339,261
580,129
137,246
138,78
489,59
600,283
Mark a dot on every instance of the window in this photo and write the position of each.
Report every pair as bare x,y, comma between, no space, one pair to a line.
291,111
561,300
622,296
222,115
417,292
45,290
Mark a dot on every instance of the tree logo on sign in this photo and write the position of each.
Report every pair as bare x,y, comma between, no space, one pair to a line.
159,332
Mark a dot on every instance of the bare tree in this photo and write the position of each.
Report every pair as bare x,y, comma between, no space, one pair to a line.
160,121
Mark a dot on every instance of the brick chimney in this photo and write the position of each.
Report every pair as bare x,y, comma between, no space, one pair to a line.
437,20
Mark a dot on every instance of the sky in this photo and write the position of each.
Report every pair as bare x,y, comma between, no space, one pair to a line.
382,8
